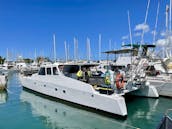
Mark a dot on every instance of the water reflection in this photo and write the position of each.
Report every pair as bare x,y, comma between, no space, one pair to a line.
146,112
143,113
143,108
3,97
62,116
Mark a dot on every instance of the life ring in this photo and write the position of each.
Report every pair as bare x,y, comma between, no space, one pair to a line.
119,81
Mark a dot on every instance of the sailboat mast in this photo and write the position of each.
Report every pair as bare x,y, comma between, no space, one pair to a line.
75,43
35,55
68,52
66,56
142,38
129,26
156,23
170,16
7,55
54,44
110,44
88,50
166,14
100,40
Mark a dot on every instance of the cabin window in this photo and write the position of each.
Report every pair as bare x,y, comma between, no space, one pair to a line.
42,71
55,72
48,71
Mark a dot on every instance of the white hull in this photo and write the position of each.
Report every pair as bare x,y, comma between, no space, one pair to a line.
3,82
75,91
164,88
146,91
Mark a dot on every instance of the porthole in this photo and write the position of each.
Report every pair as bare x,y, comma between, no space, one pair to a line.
64,91
92,95
55,89
44,85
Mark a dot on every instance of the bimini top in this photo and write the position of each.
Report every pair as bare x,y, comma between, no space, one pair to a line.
122,51
138,45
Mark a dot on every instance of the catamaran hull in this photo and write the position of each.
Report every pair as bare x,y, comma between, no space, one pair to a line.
114,104
146,91
164,88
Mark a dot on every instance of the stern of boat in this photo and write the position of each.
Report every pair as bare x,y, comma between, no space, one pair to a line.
146,90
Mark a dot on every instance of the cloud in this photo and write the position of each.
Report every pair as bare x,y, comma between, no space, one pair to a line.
161,42
137,34
163,33
164,42
141,27
125,37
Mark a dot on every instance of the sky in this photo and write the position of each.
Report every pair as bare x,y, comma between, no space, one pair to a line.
29,25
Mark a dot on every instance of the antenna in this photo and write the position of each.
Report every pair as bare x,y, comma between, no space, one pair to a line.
66,54
129,26
156,22
54,42
100,40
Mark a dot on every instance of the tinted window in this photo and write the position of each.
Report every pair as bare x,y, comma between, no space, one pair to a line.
70,68
48,71
55,72
42,71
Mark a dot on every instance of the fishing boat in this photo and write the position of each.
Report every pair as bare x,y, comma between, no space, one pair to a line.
51,80
157,73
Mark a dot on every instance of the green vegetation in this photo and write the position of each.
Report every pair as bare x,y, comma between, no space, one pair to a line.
27,60
2,60
42,59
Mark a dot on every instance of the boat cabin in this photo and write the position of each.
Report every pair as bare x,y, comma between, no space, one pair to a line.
49,70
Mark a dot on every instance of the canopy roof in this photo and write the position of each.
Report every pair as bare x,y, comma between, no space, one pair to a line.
122,51
138,45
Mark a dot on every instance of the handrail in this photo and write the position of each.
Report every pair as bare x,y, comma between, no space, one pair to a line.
167,111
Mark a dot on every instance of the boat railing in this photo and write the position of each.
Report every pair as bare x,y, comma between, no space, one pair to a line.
167,111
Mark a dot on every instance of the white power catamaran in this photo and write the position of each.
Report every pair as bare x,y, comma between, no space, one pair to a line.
51,81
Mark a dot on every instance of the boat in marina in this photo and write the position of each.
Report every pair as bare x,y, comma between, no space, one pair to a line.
166,122
60,81
29,69
50,81
3,82
162,81
157,73
7,65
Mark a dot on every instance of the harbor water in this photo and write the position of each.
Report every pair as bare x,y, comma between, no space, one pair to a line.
22,109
